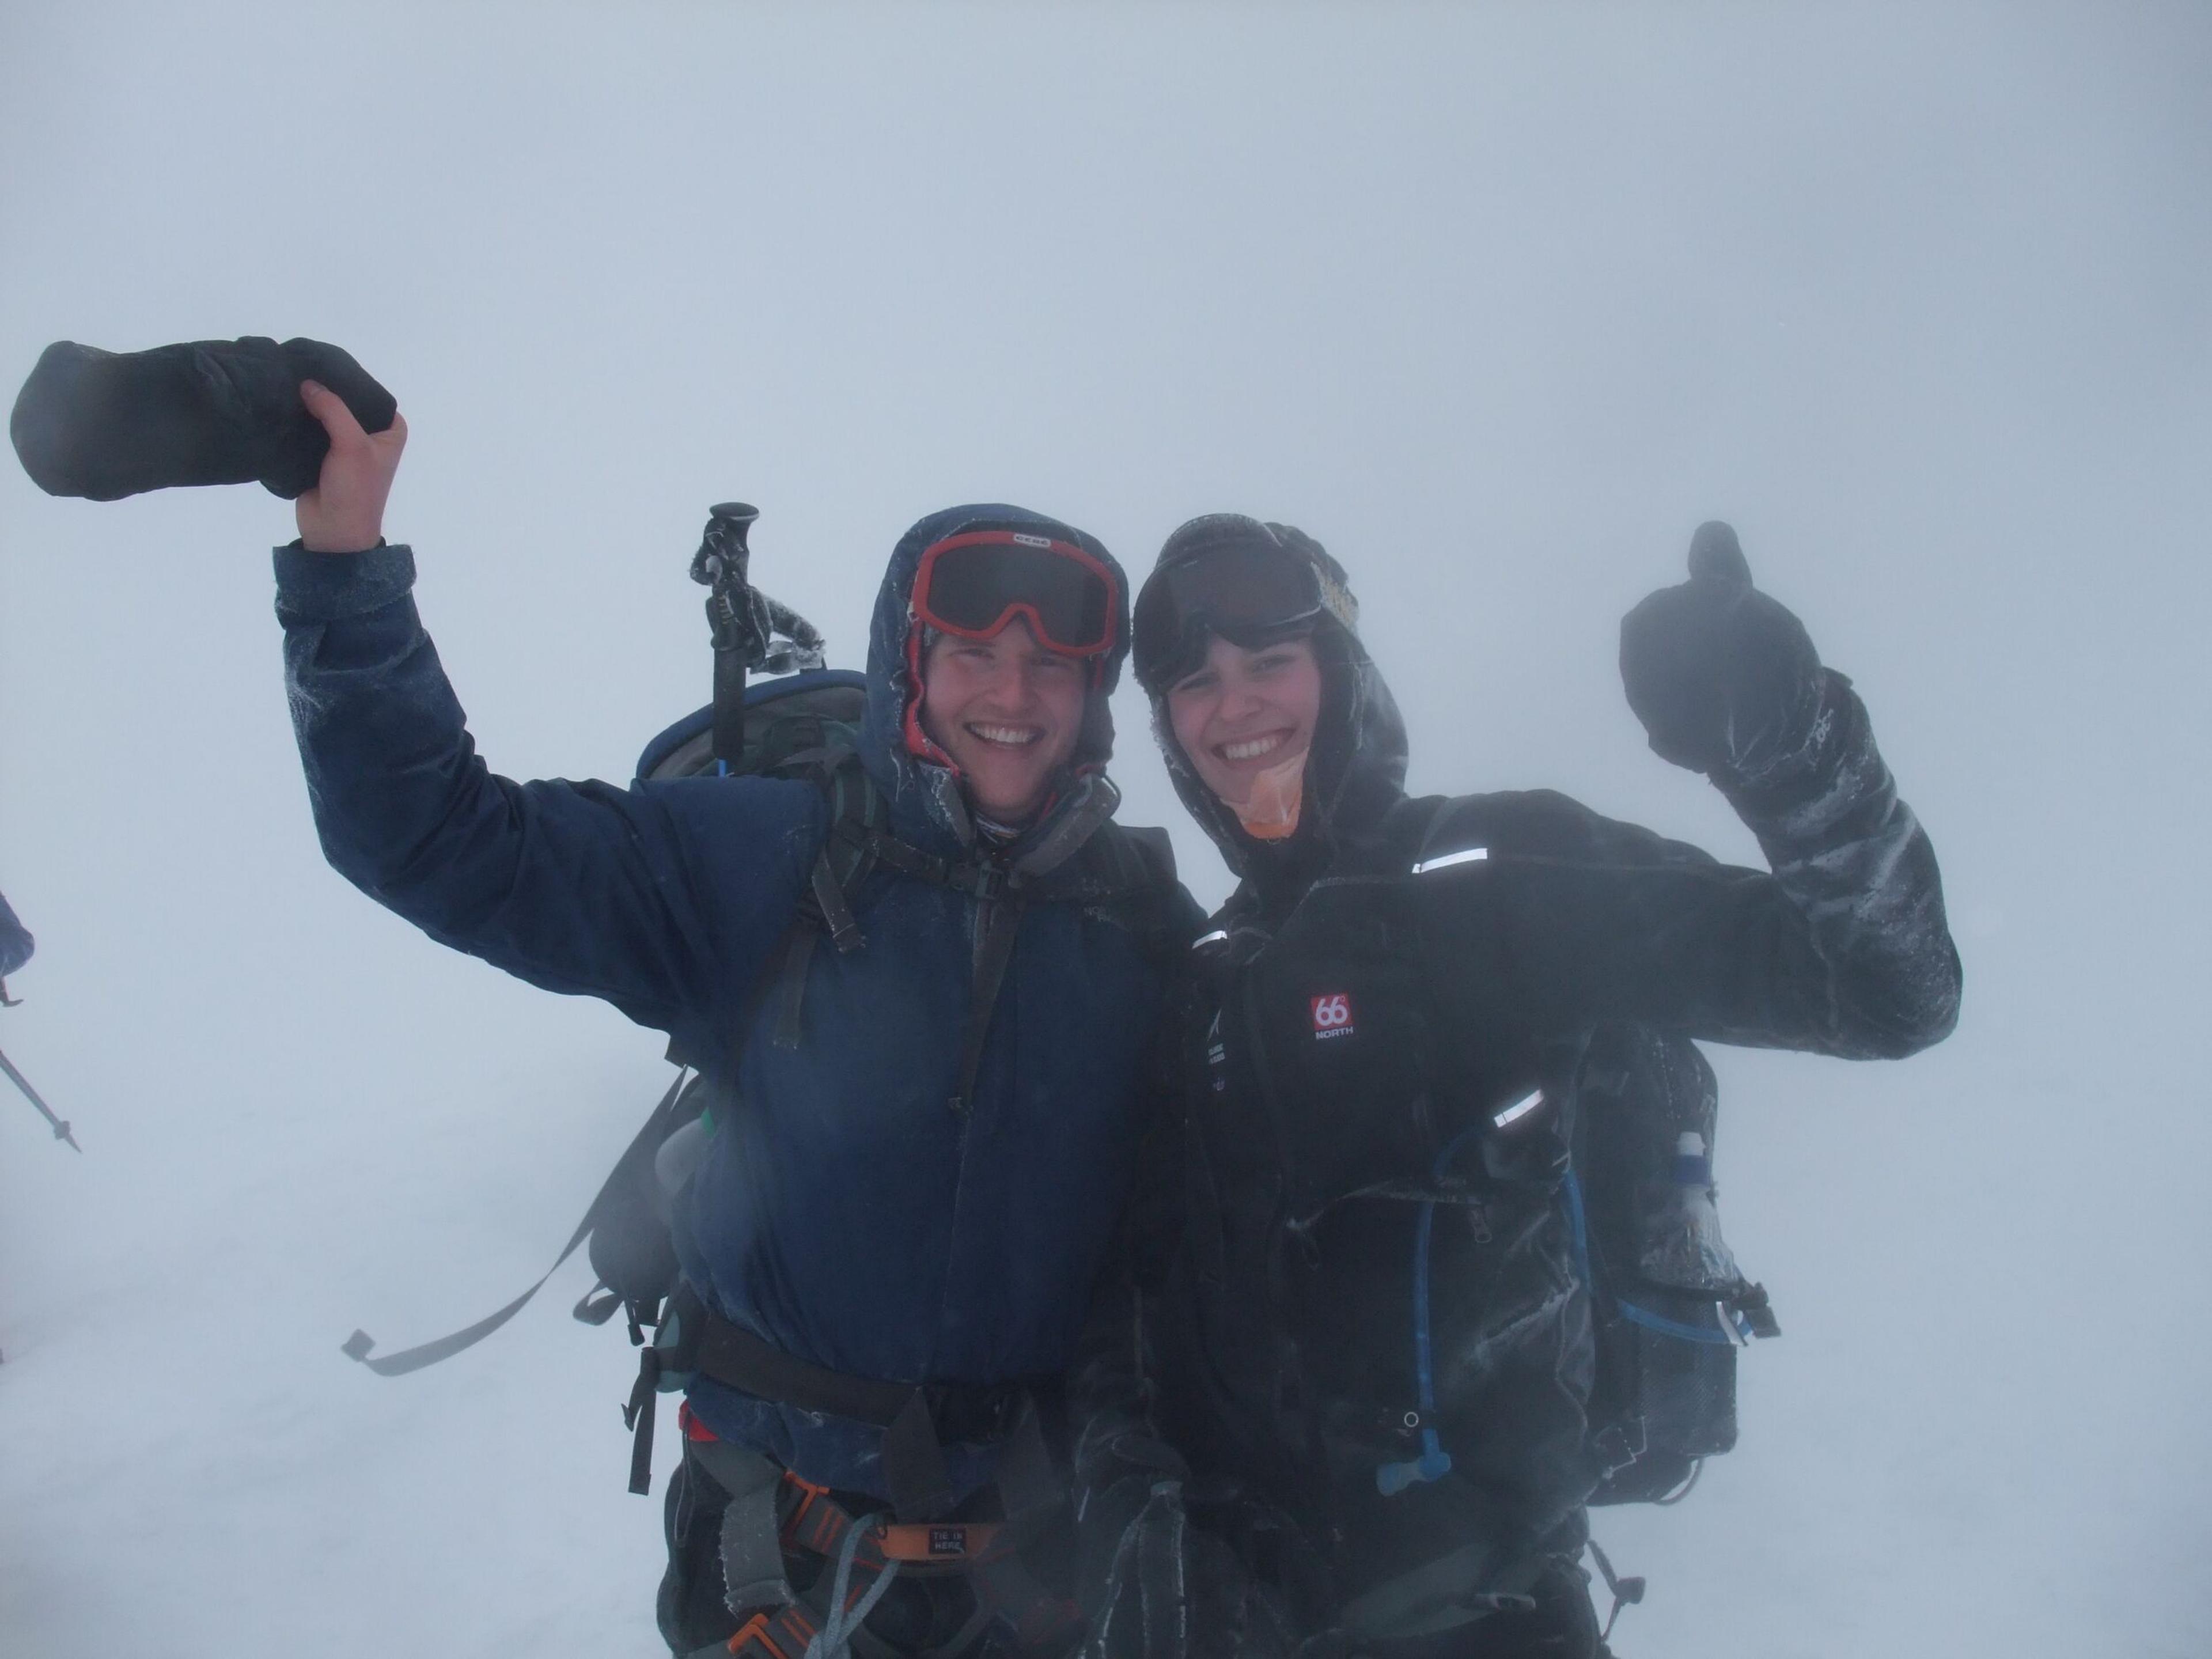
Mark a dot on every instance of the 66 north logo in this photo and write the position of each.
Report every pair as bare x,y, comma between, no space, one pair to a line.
1331,1016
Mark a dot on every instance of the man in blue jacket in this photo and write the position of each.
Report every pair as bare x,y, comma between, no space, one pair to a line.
895,1227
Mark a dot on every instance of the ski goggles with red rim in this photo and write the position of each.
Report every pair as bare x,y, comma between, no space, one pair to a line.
974,583
1247,592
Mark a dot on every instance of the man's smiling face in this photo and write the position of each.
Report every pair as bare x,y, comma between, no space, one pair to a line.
1008,711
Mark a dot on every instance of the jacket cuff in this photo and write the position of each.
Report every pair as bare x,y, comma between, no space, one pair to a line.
317,588
1837,772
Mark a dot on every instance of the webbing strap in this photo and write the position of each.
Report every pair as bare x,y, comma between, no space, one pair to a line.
637,1418
985,1552
798,951
817,1522
974,877
786,1633
1626,1592
813,1628
734,1356
848,1614
357,1345
829,899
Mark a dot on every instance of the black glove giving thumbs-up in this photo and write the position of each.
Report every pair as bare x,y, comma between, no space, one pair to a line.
1725,679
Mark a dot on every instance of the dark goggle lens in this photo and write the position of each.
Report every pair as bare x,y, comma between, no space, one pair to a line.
974,590
1237,591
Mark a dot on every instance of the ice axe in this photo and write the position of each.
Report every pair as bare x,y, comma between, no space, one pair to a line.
750,631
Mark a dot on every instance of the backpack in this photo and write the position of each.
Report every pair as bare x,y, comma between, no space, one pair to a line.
805,726
1670,1305
1664,1395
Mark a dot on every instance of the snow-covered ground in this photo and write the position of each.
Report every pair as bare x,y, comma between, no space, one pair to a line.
1500,304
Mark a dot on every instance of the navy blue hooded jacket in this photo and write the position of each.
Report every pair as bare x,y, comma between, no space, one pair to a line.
842,1211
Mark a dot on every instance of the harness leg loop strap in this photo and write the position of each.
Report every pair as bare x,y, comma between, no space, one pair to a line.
751,1539
752,1553
844,1619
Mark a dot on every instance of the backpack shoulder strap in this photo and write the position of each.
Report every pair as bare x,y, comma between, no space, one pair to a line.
848,851
1129,875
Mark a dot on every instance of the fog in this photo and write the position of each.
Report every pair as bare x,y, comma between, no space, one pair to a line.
1498,303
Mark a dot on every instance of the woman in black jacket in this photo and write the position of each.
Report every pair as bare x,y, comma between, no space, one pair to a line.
1349,1386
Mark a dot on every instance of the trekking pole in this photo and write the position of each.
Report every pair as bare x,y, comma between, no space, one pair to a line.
61,1129
723,562
751,632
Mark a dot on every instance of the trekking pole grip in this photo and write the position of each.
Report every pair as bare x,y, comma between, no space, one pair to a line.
723,563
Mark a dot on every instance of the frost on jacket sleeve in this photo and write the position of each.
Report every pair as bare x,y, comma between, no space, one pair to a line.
580,888
1859,872
1843,948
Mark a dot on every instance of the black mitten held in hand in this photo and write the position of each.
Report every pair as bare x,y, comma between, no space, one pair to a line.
105,424
1725,680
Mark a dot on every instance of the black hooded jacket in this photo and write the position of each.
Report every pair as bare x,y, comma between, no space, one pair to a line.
1346,1021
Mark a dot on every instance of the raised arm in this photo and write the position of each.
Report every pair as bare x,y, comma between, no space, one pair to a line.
1727,681
658,899
1843,948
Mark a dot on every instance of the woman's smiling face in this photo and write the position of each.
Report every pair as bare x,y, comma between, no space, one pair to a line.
1246,718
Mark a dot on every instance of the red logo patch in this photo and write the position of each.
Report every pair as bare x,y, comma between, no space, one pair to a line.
1331,1016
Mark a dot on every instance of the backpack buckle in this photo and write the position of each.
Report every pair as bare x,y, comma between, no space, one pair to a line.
1757,1313
979,880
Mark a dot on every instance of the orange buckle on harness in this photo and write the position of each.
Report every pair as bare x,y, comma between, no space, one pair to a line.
938,1541
783,1634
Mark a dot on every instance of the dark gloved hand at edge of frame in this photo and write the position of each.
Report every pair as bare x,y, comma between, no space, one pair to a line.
106,424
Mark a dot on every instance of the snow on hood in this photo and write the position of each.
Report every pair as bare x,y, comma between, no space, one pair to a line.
918,787
1357,768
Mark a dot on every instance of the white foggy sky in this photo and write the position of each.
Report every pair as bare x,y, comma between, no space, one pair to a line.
1497,302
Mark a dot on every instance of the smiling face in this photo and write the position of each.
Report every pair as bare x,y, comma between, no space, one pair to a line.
1008,710
1246,720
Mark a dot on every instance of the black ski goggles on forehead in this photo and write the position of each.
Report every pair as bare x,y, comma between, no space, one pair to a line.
1248,593
974,583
